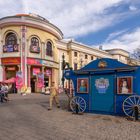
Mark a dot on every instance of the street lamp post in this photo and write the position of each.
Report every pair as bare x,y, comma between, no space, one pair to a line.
64,64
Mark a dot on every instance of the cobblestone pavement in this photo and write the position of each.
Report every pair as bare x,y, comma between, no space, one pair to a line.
27,118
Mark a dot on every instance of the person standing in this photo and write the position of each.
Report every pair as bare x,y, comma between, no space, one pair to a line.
4,93
53,96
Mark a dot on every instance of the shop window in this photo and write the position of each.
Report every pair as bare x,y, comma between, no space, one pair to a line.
49,48
34,47
10,43
75,54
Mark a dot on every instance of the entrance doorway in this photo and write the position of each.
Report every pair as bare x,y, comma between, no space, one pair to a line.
33,82
46,81
11,71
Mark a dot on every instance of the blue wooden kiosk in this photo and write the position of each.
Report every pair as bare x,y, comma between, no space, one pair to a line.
104,84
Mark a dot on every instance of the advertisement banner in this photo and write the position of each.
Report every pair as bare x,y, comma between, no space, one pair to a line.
19,80
36,71
10,60
40,81
48,72
32,61
10,48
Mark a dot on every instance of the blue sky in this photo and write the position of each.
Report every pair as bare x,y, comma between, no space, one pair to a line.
110,23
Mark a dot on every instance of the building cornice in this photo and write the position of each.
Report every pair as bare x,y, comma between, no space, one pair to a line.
31,22
89,50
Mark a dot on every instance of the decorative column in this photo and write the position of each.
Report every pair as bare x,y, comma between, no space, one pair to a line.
19,68
4,73
29,76
43,89
23,57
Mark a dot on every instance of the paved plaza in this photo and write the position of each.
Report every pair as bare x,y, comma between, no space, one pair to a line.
27,118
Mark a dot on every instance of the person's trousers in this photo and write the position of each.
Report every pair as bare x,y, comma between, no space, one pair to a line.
54,97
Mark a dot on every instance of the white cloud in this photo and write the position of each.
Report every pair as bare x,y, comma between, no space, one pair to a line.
115,34
133,8
75,18
128,41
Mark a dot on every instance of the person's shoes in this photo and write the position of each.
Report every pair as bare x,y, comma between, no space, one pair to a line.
49,108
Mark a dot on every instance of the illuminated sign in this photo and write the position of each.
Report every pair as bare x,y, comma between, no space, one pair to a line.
11,68
10,60
33,61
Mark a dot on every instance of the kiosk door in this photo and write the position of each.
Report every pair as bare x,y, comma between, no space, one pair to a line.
102,89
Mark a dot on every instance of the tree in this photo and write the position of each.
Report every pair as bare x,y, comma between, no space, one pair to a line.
136,53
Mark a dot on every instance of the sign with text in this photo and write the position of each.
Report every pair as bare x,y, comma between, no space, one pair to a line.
32,61
10,60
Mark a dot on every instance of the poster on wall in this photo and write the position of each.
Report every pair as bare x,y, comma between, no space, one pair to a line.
36,71
102,85
124,85
34,49
40,80
19,80
82,85
48,72
10,48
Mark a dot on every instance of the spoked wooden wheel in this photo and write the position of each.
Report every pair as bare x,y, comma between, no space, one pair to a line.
78,103
129,104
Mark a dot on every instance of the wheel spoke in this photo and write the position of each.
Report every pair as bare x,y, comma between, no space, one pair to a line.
128,102
138,102
82,105
128,109
134,99
131,100
81,109
130,112
127,106
81,101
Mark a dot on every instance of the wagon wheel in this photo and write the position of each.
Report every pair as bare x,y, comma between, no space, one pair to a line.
129,104
80,102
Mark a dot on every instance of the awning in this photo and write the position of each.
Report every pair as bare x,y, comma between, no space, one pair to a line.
11,80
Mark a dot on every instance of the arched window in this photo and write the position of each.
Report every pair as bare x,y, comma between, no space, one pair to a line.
34,45
10,43
11,39
49,48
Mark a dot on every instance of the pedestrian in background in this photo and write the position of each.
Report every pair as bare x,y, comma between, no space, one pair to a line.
53,96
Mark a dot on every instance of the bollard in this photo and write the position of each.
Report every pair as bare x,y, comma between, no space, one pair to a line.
136,113
76,107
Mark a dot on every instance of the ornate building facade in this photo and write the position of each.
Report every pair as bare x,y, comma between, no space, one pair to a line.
31,44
